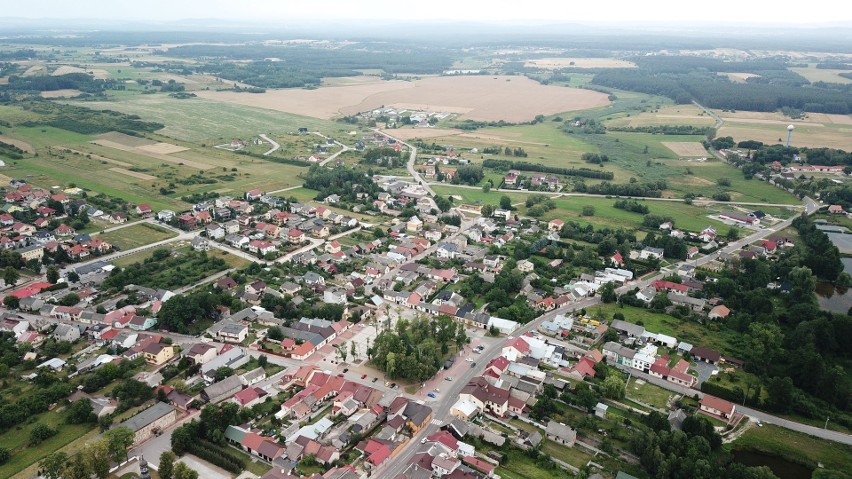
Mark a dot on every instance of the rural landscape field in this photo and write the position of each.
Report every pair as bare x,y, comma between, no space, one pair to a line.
260,241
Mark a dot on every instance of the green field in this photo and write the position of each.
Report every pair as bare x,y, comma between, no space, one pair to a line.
137,235
688,217
797,447
206,121
649,394
17,440
720,340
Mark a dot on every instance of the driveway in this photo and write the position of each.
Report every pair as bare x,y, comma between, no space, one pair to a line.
704,370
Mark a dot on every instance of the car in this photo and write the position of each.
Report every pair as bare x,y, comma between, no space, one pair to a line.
431,395
423,441
375,379
393,386
470,360
363,376
448,378
473,365
345,370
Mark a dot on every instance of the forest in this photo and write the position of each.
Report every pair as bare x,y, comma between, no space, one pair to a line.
684,79
295,66
85,120
506,165
340,181
74,81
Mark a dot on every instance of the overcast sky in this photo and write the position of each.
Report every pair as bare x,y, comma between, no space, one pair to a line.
588,11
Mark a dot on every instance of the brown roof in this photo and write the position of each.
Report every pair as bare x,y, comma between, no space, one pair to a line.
718,404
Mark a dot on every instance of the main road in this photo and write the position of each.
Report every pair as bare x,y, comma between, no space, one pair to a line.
412,158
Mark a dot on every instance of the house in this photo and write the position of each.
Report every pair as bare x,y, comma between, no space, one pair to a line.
144,209
201,353
555,225
617,260
705,354
739,218
118,217
261,247
150,422
66,332
525,266
835,209
256,287
222,390
296,236
226,284
717,407
253,195
560,433
719,312
248,397
158,353
233,333
649,252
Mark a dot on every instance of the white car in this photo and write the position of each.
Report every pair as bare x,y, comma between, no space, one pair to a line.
470,360
448,378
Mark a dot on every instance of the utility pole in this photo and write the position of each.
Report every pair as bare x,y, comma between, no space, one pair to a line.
826,423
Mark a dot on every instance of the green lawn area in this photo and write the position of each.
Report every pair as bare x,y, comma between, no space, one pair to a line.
703,179
18,439
688,217
648,394
694,333
137,235
125,261
796,446
477,196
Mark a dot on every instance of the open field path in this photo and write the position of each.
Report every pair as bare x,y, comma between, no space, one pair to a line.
275,146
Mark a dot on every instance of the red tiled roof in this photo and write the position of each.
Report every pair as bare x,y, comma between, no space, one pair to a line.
718,404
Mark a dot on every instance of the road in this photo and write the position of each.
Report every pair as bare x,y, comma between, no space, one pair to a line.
719,120
343,148
275,146
556,194
412,159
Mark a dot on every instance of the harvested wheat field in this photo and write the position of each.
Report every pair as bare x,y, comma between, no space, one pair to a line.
135,174
321,103
35,70
20,144
486,98
557,63
685,148
152,149
163,148
66,69
740,77
411,133
60,93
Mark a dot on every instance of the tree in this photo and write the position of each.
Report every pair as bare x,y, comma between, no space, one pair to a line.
80,412
167,463
223,373
588,210
52,275
10,275
182,471
5,455
73,277
803,284
505,202
97,458
41,432
119,439
51,466
275,333
486,187
607,293
12,302
262,360
353,351
613,387
487,211
780,392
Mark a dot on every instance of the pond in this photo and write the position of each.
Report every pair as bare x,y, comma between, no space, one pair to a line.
835,298
781,467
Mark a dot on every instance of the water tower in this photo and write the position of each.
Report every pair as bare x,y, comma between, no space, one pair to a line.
790,129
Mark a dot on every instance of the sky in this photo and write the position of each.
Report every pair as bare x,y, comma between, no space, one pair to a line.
514,11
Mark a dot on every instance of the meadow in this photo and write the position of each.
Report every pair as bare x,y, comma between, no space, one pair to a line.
136,235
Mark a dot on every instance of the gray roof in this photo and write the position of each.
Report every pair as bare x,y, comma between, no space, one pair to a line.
561,431
147,416
629,328
253,374
225,387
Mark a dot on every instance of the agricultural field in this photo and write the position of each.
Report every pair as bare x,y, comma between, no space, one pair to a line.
816,130
470,96
701,178
136,236
814,74
667,115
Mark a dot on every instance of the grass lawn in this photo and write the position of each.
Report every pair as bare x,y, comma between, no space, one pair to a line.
648,394
699,335
796,446
137,235
688,217
477,196
23,456
125,261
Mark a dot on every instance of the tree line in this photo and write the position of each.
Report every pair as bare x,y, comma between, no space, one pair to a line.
506,165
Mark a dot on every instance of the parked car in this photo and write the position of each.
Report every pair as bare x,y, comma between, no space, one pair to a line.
363,376
345,370
473,365
448,378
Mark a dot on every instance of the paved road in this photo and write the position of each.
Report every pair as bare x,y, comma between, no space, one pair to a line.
343,148
557,194
412,159
272,142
